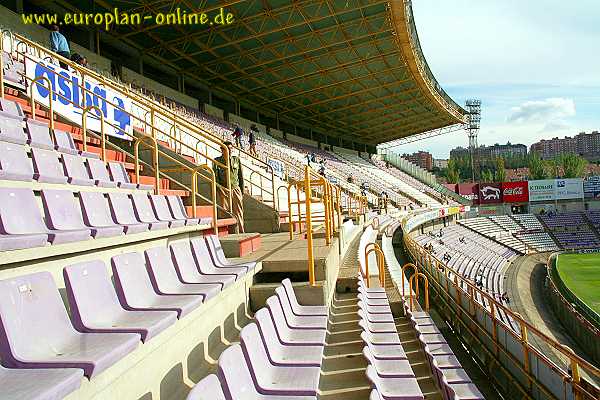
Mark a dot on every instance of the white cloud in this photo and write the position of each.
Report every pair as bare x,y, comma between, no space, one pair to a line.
551,110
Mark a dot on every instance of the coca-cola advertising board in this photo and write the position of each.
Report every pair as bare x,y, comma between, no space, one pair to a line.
515,192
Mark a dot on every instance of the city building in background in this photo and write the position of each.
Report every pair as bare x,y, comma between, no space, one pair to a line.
423,159
584,144
490,153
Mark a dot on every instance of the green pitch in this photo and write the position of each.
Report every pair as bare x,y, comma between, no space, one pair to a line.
581,274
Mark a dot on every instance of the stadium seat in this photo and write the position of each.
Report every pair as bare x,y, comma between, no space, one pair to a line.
15,164
63,142
39,384
96,213
47,166
218,257
143,212
119,175
95,306
135,290
31,305
298,309
178,211
207,388
11,130
38,135
99,173
464,391
383,351
388,368
295,321
206,265
76,171
290,379
62,214
165,279
11,109
188,271
122,213
289,335
162,212
405,388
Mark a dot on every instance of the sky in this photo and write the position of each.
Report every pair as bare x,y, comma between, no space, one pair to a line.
534,64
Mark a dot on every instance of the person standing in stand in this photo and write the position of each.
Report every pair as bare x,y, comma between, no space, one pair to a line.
237,136
59,45
252,140
237,186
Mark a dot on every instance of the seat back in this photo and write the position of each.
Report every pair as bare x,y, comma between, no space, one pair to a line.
90,293
117,172
95,209
289,290
285,303
161,269
61,210
11,130
161,207
19,212
184,261
121,208
142,208
30,306
277,313
266,325
14,160
74,166
235,374
97,169
176,206
254,347
200,251
64,142
39,135
216,251
207,388
12,108
46,163
132,281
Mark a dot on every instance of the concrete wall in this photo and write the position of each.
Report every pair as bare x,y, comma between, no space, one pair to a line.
140,80
298,139
214,111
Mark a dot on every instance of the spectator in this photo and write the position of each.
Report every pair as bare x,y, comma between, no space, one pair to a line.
79,59
322,167
237,186
350,179
313,157
237,136
308,159
59,45
252,140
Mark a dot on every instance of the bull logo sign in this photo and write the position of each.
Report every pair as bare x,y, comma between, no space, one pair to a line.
490,193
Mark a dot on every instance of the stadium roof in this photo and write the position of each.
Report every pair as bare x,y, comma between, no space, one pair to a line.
348,68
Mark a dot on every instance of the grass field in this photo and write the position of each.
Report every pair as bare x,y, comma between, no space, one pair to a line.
581,274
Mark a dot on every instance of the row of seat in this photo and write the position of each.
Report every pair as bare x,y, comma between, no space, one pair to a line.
69,217
279,355
108,321
49,166
450,377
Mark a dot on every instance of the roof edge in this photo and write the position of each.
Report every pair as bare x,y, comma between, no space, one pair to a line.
403,23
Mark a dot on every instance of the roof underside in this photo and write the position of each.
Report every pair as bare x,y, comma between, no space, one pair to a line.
338,66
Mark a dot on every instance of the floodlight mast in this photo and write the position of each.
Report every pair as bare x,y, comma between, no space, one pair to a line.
473,124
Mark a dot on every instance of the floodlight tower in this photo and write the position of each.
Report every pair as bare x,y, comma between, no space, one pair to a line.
472,127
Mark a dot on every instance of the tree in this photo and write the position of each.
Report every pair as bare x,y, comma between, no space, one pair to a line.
487,176
453,173
573,165
500,171
537,168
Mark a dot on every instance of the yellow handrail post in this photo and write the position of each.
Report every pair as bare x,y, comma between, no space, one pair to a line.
156,168
290,212
136,159
380,266
213,191
403,274
102,133
194,191
32,99
415,278
311,261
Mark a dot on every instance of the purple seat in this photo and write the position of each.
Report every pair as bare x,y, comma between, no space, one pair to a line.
432,338
31,305
162,212
187,270
395,388
11,130
295,321
374,317
119,174
47,167
12,109
383,309
205,263
63,142
218,257
95,306
275,379
39,384
388,368
135,291
298,309
165,279
207,388
39,135
121,211
290,336
143,212
96,213
379,328
99,173
178,210
282,354
383,351
464,391
15,164
62,214
239,381
75,169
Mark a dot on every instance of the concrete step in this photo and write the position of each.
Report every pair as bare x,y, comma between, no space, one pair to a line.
240,245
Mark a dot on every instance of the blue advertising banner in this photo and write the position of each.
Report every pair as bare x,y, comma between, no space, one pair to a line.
591,187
